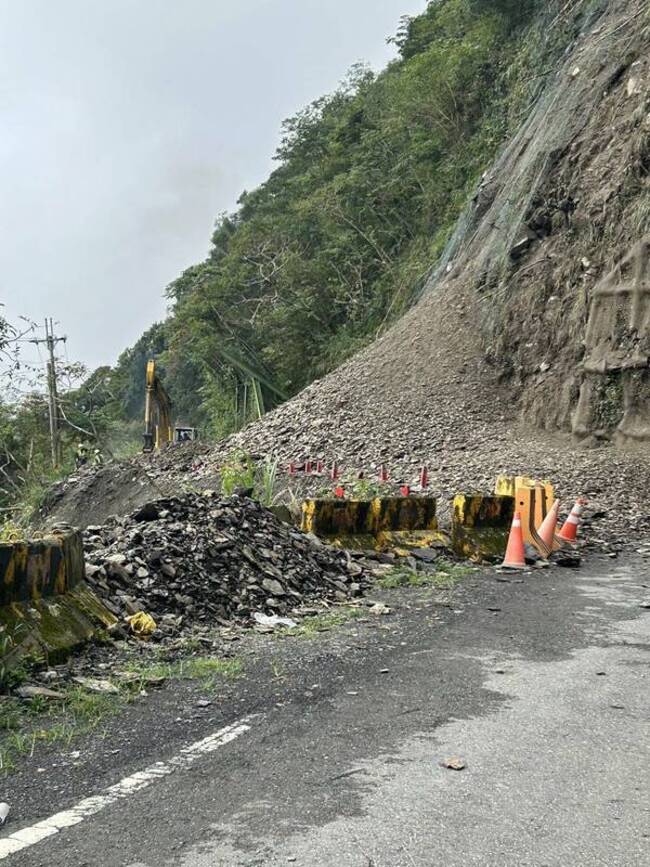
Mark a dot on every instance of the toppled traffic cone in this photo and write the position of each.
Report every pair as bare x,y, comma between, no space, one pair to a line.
569,531
515,554
546,531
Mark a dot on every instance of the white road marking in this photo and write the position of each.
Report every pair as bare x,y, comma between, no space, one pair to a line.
128,786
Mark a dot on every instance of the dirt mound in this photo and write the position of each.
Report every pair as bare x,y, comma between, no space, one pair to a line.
198,559
496,369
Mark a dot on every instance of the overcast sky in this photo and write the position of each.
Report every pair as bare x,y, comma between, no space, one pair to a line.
129,125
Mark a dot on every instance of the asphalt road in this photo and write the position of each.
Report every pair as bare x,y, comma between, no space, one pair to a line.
540,687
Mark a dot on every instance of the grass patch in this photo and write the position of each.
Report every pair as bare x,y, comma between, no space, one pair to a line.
311,626
24,726
27,725
207,669
445,577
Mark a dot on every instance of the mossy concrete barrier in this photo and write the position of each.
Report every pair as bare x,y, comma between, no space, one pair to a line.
46,608
383,522
480,526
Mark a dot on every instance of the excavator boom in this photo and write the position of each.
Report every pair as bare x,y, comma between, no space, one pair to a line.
157,411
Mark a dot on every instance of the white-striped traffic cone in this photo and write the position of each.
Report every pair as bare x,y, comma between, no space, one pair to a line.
569,531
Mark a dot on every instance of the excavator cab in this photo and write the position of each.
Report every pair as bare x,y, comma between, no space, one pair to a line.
183,434
157,412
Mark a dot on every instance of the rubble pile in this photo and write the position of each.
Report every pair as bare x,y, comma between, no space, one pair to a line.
199,559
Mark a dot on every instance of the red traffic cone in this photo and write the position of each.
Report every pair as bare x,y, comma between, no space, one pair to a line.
515,553
546,531
569,531
405,490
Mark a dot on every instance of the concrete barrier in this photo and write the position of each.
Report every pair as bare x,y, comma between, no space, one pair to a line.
46,567
46,608
480,526
384,522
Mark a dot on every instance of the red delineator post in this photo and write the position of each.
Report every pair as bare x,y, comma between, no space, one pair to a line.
292,469
383,473
424,478
334,473
308,467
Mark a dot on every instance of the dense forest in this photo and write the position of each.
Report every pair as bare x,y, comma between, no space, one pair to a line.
327,252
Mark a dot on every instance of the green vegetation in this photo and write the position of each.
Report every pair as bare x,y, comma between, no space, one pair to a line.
241,471
26,725
309,627
445,577
209,670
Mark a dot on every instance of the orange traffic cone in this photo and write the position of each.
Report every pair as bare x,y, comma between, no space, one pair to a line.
515,555
546,531
569,531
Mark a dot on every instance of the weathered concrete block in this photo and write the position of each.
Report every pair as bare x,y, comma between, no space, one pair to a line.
379,523
334,518
480,526
45,606
45,567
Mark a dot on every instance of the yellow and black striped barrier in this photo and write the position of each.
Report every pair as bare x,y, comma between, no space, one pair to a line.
381,523
480,525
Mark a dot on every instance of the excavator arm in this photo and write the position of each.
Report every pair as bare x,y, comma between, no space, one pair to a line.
157,412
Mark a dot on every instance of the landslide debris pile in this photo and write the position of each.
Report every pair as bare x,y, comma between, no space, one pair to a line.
199,559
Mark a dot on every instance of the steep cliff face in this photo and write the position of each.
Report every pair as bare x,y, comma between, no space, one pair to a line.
554,250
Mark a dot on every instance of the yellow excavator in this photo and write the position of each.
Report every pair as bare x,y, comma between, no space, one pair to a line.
158,430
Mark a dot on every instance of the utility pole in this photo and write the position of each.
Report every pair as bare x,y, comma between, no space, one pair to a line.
52,395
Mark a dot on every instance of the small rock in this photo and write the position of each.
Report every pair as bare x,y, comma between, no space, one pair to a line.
455,763
273,587
379,609
93,684
30,691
